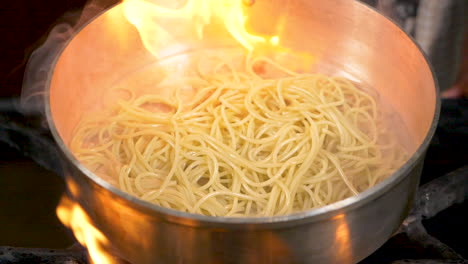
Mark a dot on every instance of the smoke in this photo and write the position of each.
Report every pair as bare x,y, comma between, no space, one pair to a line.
33,94
41,61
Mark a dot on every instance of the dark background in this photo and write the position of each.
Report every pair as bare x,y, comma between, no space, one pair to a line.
23,24
28,192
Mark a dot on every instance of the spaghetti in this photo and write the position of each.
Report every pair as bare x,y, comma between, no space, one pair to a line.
243,144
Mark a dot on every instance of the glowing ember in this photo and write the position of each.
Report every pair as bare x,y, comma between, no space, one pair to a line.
75,218
161,27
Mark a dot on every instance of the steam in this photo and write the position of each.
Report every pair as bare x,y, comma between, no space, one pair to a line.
39,68
40,64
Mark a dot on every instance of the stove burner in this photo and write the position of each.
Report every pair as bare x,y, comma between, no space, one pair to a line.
13,255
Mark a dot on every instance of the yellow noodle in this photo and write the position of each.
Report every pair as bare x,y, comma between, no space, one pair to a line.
243,145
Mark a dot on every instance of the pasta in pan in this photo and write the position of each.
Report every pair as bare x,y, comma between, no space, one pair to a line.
243,144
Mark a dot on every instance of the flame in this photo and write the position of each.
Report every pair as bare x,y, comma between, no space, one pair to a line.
162,27
74,217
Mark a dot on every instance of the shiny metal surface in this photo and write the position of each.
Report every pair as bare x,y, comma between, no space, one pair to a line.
348,39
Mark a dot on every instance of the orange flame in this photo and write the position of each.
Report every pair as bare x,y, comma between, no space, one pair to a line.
342,239
75,218
162,26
